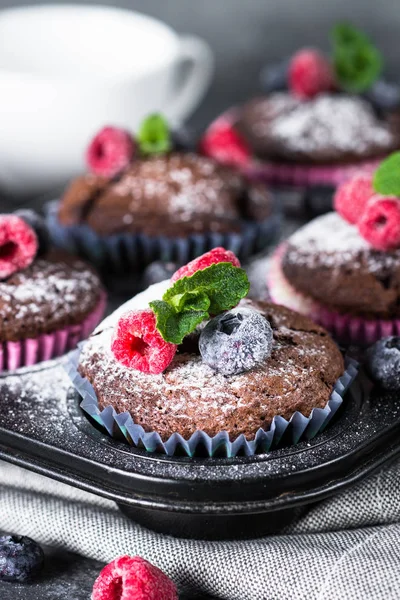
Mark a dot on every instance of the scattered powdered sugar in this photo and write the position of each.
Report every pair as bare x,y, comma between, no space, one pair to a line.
191,390
180,186
48,288
345,123
329,240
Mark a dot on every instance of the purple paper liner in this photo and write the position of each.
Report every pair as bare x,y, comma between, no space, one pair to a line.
295,429
347,329
123,252
28,352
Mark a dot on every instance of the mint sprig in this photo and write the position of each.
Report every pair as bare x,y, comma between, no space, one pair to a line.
357,61
387,176
154,136
194,299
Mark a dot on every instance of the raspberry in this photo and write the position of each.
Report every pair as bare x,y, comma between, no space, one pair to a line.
225,145
110,151
380,222
310,73
138,345
351,197
217,255
18,245
133,578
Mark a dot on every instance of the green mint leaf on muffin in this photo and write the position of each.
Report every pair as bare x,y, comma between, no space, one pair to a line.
344,34
193,299
224,285
175,326
357,62
154,136
387,176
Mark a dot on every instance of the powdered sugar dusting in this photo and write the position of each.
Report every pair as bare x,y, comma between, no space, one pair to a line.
191,392
47,290
337,123
180,186
331,241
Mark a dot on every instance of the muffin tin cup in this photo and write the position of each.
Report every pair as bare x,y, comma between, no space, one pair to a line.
281,431
28,352
347,329
122,252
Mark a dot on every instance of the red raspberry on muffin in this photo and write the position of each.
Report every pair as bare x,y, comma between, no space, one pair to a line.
215,256
310,74
138,345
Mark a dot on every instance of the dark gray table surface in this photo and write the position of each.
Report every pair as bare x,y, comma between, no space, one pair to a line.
65,577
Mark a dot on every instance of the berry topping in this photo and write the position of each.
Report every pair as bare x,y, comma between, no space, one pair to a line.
18,245
38,224
110,151
138,345
383,363
380,222
310,74
133,578
215,256
225,145
274,78
20,558
236,341
351,197
158,271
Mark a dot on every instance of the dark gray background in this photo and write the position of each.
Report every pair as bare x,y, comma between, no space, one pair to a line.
245,34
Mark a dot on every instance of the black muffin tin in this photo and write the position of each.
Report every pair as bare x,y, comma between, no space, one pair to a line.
43,429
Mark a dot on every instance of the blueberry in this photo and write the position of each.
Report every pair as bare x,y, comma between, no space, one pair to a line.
37,222
384,95
383,363
20,558
158,271
236,341
274,78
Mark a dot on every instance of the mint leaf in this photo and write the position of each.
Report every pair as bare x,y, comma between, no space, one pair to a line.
224,285
387,176
190,301
357,62
174,326
357,67
154,136
346,34
193,299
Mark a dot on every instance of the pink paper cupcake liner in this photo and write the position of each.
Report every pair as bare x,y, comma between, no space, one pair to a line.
295,175
345,328
28,352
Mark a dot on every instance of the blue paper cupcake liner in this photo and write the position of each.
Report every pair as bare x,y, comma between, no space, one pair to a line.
297,428
126,251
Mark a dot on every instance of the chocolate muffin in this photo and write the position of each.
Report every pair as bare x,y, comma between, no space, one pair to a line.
174,195
330,129
188,396
330,262
56,291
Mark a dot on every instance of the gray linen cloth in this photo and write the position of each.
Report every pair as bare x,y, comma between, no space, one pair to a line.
344,548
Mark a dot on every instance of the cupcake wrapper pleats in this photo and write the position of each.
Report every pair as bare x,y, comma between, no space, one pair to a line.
126,251
28,352
281,430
